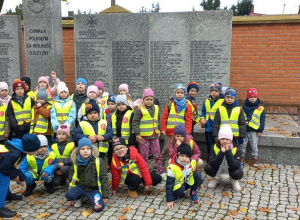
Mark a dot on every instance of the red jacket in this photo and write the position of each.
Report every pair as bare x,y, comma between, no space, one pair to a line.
188,119
140,162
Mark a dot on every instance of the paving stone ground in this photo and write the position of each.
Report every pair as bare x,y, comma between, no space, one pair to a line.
270,192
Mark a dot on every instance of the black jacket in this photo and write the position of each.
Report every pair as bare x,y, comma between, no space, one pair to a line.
119,120
79,99
249,108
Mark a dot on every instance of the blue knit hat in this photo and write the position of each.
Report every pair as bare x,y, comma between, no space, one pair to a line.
82,80
31,142
194,85
180,86
112,98
92,106
231,92
84,142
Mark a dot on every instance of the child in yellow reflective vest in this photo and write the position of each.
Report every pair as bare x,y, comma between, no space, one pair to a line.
94,128
4,96
40,166
182,175
27,82
225,157
255,113
62,149
4,123
88,177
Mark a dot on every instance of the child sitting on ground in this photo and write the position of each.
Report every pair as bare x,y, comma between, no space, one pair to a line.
4,96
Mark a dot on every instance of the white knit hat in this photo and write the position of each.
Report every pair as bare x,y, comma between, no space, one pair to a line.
62,87
3,85
43,140
225,132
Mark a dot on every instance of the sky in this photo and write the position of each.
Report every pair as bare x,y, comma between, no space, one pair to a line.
260,6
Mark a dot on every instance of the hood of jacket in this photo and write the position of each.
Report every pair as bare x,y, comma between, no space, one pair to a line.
95,153
16,143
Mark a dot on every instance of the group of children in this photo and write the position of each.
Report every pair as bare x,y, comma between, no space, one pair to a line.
61,138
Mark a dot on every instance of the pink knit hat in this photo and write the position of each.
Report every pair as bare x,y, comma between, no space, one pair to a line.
92,89
148,92
99,85
225,132
65,128
124,86
45,79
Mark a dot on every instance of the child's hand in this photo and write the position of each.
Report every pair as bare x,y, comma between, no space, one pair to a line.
100,137
93,139
202,122
53,75
70,204
113,192
147,188
139,139
105,200
170,204
163,132
246,122
60,164
259,134
38,105
6,135
178,142
223,149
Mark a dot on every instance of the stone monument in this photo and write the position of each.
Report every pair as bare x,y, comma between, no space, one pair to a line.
11,52
43,38
155,49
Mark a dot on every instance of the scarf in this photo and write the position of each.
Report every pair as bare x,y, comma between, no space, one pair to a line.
180,104
41,156
83,162
5,100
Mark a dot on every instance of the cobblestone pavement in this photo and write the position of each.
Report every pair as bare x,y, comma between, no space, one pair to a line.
269,192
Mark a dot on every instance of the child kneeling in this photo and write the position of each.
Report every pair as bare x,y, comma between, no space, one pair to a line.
182,175
88,176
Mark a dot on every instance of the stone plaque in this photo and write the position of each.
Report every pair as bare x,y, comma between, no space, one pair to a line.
11,52
43,38
155,49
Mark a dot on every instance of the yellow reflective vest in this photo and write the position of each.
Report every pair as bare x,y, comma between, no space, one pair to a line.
179,178
232,121
41,125
75,175
148,125
33,167
255,119
175,118
125,128
211,112
67,152
30,93
196,116
130,166
22,114
2,118
104,101
217,150
49,98
88,129
62,114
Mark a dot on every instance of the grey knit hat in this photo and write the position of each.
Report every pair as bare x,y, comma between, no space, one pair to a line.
121,99
42,94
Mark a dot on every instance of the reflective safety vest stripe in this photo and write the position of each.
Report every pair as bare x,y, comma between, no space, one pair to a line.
75,175
148,125
3,149
217,150
67,152
255,119
22,114
62,114
196,116
83,106
130,166
125,128
175,118
2,118
41,125
33,167
232,121
88,129
211,112
179,178
49,97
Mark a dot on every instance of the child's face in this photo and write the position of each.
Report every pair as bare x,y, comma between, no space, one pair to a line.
224,142
92,95
183,159
93,116
111,106
120,150
43,84
121,107
80,87
85,152
41,101
179,94
252,99
100,91
42,150
179,137
214,93
62,136
193,92
229,99
63,95
122,91
26,87
148,101
4,93
19,91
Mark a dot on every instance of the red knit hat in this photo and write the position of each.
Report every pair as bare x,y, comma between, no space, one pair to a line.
252,92
18,83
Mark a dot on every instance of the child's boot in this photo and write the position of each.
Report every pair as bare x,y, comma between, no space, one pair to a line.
13,196
29,189
133,193
213,183
7,213
194,196
235,185
255,161
49,188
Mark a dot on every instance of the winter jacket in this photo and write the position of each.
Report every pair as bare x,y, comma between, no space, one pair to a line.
196,153
138,160
45,113
87,175
79,99
137,120
249,108
188,119
241,120
108,115
8,160
72,114
6,124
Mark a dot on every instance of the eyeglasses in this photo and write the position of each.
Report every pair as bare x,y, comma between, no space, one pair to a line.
117,150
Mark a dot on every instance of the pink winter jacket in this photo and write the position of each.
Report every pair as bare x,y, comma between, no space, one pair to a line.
196,153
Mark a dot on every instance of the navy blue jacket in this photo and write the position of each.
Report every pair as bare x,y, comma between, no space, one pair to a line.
8,160
249,108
